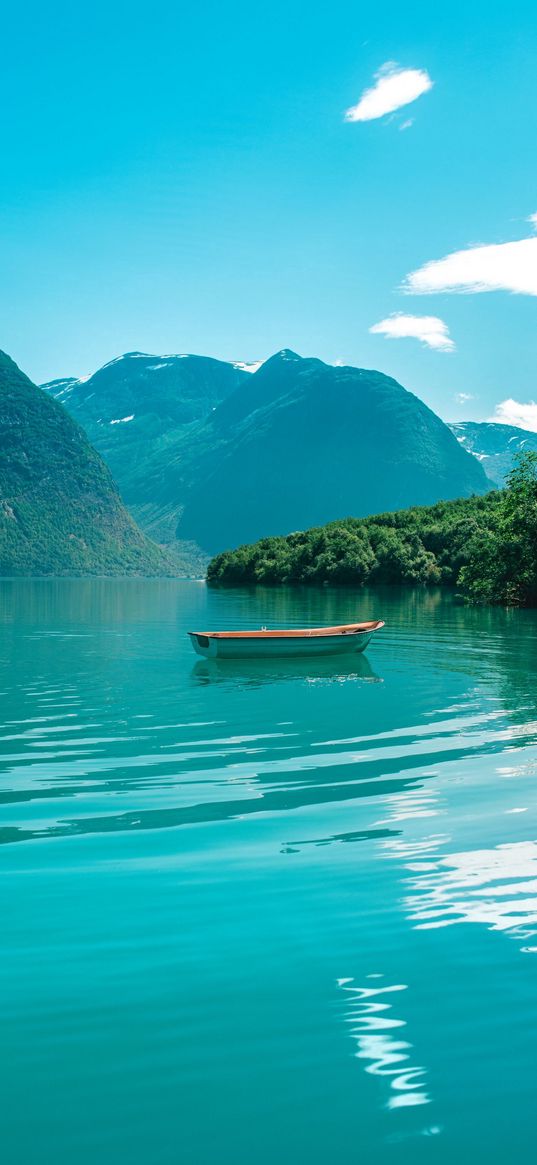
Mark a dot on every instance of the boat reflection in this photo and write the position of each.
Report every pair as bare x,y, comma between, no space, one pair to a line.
257,672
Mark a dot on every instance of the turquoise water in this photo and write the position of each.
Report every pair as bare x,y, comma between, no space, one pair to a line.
265,913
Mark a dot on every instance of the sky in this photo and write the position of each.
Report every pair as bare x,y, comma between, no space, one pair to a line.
352,181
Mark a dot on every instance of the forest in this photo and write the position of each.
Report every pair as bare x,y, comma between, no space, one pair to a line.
486,547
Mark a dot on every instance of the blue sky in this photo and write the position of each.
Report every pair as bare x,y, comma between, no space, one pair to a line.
185,180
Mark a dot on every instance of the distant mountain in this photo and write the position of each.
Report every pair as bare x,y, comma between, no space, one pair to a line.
58,388
60,512
218,453
137,410
305,442
494,445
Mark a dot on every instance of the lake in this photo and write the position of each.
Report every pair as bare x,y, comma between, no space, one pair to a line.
258,913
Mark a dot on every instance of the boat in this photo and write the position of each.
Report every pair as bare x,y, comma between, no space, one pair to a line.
350,637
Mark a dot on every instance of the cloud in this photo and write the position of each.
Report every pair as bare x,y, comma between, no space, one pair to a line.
521,414
393,88
462,398
497,267
406,124
432,331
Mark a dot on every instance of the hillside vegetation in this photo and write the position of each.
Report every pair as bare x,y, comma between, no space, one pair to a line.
302,441
60,512
207,453
139,412
485,545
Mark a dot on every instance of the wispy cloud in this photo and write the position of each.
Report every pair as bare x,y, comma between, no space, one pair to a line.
393,88
496,267
431,330
462,398
521,414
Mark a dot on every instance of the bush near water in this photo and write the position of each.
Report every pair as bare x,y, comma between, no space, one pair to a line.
486,546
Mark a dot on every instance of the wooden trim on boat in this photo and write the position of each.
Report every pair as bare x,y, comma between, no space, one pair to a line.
305,633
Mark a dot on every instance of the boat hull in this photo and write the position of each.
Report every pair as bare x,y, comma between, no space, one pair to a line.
270,648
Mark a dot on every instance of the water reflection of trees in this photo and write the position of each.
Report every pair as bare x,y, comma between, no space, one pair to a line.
290,606
380,747
91,601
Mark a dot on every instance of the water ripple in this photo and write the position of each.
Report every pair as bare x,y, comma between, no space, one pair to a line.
375,1030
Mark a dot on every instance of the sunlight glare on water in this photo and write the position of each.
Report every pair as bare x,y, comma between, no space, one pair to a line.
265,911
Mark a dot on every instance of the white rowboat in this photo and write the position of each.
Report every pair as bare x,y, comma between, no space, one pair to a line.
350,637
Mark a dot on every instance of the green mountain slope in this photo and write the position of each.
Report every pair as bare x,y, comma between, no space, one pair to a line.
495,446
305,441
60,512
138,411
208,453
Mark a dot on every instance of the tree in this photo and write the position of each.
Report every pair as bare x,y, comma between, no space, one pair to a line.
502,566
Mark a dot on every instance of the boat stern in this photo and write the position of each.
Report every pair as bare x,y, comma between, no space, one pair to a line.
203,644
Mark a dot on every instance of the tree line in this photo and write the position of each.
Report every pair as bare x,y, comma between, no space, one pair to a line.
484,546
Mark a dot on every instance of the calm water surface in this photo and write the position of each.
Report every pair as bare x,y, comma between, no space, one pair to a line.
265,913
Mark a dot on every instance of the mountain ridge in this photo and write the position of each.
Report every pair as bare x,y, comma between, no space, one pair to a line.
310,440
494,445
60,512
136,410
207,452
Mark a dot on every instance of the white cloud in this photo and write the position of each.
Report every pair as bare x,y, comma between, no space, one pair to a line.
462,398
521,414
497,267
406,124
432,331
393,88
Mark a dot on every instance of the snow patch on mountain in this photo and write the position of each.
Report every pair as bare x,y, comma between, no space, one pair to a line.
242,367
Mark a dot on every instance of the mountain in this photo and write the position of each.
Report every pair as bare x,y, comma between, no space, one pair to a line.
305,442
60,512
138,411
215,453
494,445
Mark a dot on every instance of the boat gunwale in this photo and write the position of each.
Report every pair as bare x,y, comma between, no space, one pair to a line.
302,633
